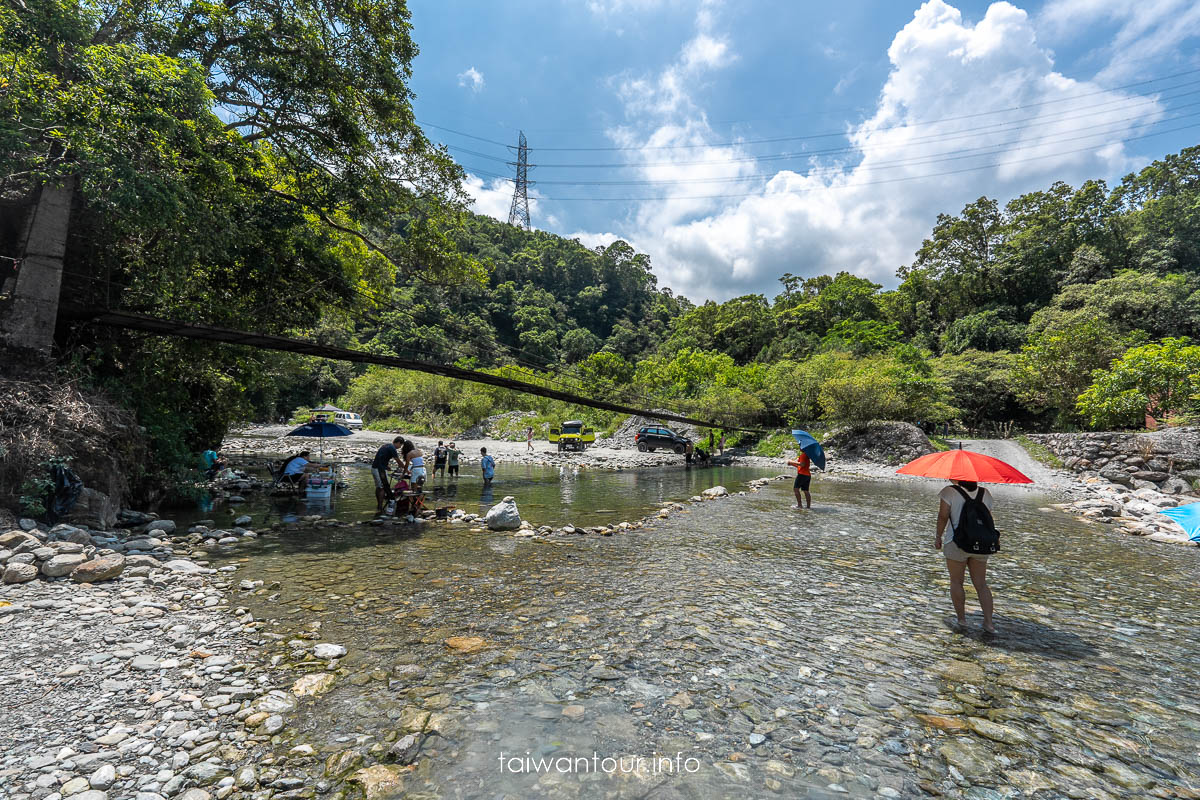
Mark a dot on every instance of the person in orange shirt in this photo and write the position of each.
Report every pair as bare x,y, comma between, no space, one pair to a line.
803,478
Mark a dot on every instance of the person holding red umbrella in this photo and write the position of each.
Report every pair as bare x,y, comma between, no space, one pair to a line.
966,508
954,499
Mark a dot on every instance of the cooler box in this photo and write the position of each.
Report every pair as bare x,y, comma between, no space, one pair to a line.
319,488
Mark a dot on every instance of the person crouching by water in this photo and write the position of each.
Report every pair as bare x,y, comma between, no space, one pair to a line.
959,562
414,460
379,471
803,466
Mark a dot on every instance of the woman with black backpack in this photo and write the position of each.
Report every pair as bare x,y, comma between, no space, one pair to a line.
966,507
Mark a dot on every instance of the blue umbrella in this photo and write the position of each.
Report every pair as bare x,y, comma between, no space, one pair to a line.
1188,518
321,430
810,447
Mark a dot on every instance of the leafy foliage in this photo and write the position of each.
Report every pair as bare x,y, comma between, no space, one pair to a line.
1158,379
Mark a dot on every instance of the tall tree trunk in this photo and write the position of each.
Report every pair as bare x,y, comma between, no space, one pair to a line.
28,320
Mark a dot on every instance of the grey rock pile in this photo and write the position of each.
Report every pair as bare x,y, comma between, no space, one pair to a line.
1166,461
1133,511
891,443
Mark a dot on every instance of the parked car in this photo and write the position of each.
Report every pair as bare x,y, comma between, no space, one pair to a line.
348,419
652,437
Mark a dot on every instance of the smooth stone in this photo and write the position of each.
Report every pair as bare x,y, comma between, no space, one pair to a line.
379,781
465,644
104,777
405,749
313,685
326,650
99,569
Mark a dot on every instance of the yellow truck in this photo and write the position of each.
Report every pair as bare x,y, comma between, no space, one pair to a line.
572,435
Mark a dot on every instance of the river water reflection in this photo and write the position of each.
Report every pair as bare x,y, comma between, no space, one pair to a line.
788,653
546,495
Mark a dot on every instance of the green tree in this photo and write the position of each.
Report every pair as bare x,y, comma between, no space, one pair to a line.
1056,365
1159,379
578,344
862,337
985,330
1160,305
981,386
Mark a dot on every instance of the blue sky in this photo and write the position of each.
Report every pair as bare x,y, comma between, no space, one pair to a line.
883,115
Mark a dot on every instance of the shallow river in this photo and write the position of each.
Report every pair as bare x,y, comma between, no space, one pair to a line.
764,651
545,495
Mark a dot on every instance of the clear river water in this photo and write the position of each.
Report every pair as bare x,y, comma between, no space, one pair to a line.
740,648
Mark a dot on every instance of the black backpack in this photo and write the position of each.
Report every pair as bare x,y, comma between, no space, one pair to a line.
975,532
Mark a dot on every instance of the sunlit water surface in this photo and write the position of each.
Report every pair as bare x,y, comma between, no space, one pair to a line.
787,653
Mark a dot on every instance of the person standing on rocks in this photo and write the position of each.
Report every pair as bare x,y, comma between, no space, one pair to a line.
487,464
529,438
379,471
803,466
722,443
452,456
959,562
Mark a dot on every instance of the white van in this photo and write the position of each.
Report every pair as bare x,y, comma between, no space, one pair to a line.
348,419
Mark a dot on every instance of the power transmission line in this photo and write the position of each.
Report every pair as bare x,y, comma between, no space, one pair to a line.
817,172
866,183
831,133
964,133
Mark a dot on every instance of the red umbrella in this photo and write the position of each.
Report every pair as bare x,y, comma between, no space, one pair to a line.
964,465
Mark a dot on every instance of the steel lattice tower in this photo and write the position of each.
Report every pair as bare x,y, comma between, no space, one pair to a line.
518,212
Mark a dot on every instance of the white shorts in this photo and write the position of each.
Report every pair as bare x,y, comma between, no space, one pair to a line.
418,473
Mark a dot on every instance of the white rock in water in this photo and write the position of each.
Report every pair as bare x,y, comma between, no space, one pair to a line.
716,491
504,516
327,650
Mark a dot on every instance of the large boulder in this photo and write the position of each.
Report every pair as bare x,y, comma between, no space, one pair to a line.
99,569
62,564
15,538
504,516
891,443
93,509
19,573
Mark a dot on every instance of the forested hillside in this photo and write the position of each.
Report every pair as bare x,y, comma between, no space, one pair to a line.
1006,314
225,180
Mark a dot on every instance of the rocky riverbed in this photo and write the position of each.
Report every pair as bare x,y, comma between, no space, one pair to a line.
161,661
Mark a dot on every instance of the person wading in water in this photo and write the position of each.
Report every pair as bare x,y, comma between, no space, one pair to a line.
959,562
803,478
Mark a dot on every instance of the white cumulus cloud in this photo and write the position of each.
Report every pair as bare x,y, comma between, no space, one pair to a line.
472,79
494,198
932,145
